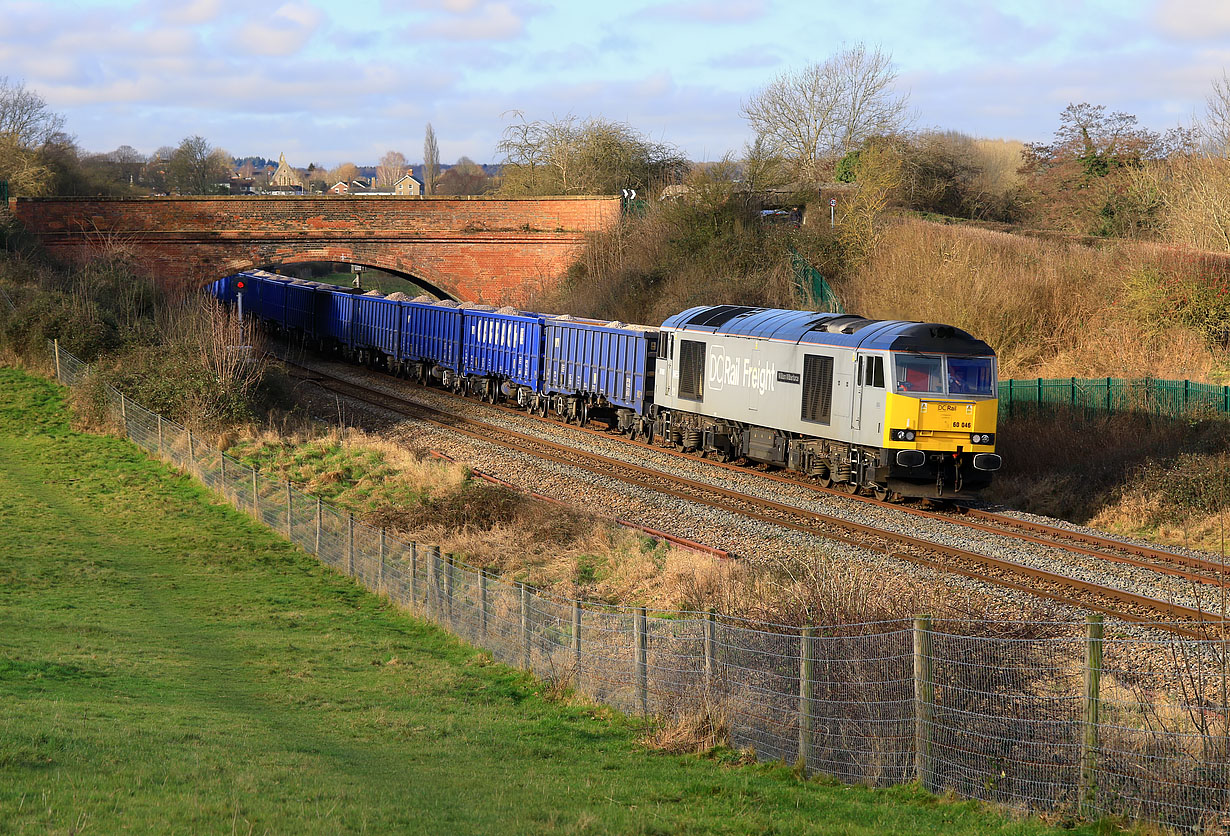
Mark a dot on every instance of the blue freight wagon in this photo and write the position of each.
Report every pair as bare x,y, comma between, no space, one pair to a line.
265,298
300,314
430,340
501,350
377,329
335,318
599,369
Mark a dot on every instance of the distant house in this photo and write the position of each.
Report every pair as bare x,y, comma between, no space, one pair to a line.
359,186
407,186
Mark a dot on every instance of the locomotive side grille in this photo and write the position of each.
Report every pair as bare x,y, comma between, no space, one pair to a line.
817,388
691,370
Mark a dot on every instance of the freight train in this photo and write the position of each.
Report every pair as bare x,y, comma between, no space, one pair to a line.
895,409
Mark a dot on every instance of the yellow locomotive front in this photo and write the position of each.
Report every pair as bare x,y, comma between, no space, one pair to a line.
940,417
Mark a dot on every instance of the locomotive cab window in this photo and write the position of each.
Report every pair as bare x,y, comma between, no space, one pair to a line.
871,371
919,373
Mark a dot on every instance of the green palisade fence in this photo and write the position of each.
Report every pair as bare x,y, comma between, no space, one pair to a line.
1169,398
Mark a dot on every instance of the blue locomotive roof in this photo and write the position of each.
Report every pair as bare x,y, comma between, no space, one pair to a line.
840,330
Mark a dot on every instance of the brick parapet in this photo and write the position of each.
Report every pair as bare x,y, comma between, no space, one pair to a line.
481,249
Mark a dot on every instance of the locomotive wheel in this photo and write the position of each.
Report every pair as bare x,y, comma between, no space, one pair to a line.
884,494
825,481
851,488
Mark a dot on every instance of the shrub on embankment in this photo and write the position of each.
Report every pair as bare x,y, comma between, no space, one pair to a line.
181,356
1054,308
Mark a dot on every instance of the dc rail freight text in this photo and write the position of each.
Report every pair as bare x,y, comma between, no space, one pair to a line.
897,409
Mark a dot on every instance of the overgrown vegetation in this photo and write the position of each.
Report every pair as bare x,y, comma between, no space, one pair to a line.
182,356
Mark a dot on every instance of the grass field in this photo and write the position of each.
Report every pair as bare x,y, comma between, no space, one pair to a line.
167,666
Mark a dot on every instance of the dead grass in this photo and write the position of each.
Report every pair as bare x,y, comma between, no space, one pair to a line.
427,499
1050,309
699,728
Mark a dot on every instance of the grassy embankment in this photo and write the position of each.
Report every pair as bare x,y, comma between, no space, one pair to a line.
166,665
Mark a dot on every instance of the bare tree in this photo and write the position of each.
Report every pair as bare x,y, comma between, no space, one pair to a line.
1215,127
25,117
825,110
431,161
196,167
464,177
597,156
344,173
392,167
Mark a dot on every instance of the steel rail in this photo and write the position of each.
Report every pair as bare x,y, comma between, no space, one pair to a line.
727,500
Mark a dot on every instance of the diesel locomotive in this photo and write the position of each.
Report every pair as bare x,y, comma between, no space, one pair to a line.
897,409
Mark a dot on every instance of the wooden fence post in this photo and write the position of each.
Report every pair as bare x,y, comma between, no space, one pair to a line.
640,630
290,519
56,347
433,580
449,562
482,602
710,640
160,444
256,495
380,566
576,638
222,475
124,413
350,543
1091,716
192,471
414,573
525,627
924,703
807,689
319,514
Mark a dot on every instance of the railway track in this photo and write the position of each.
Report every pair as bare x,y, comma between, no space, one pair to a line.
1063,589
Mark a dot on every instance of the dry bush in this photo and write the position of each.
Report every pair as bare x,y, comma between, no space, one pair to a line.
691,727
1194,192
710,249
1082,466
1048,309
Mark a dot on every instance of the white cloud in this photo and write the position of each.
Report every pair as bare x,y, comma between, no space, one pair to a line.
190,12
1194,20
286,32
475,22
710,11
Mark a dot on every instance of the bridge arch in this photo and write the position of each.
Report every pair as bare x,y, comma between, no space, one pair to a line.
436,285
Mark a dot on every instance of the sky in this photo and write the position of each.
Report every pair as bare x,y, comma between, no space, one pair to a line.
331,81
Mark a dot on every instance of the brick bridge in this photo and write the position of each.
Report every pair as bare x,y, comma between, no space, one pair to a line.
475,249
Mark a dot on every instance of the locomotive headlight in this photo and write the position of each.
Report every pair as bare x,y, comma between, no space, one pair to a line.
982,438
909,435
902,435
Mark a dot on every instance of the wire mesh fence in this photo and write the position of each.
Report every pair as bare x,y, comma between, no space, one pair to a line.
1168,398
1042,717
